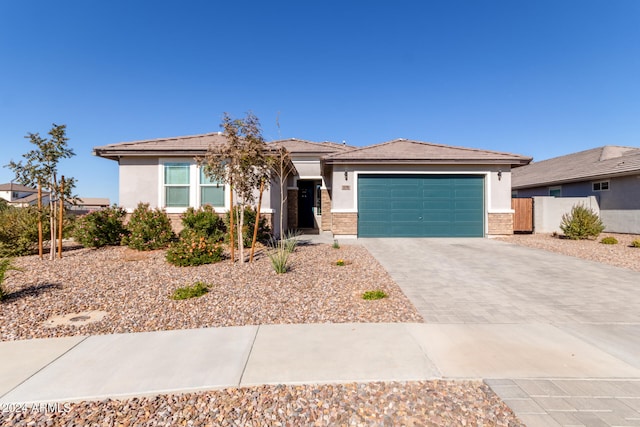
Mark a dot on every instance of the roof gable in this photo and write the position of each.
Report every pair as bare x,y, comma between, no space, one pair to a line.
584,165
404,150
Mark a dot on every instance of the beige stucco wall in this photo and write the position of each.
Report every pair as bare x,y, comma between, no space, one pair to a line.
307,168
138,182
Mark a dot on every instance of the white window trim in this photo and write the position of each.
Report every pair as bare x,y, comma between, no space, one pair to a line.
194,187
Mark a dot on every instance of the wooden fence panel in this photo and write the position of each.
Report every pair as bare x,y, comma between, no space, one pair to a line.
523,216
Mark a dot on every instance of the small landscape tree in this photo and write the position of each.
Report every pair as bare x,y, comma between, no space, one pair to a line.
241,163
41,169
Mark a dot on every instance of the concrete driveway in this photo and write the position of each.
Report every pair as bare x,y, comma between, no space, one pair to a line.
557,337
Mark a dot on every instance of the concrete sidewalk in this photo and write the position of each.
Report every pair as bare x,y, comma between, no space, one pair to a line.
125,365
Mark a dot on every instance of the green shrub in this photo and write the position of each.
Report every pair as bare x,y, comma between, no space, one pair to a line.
335,245
340,262
264,232
581,223
205,222
5,265
609,241
100,228
636,243
373,295
193,249
279,257
19,230
197,290
149,229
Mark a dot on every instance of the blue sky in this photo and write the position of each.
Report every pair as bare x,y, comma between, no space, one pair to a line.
540,78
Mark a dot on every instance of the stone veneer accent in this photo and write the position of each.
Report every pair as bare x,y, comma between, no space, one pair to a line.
500,223
292,209
344,223
325,195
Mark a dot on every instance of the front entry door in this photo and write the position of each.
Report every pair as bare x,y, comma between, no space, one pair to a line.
305,204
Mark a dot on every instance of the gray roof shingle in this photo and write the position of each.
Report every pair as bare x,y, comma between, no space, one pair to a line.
601,162
409,151
196,145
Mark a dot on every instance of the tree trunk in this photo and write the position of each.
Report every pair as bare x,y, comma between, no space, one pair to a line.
40,250
231,214
52,231
61,201
256,225
241,233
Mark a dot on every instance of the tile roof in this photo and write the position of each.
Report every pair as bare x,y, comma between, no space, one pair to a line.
301,146
409,151
198,144
93,201
601,162
16,187
181,145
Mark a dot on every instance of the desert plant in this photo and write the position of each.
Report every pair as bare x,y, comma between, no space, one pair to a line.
279,257
373,295
335,245
581,223
101,228
19,231
290,240
149,229
636,243
5,265
205,222
196,290
609,240
340,262
193,249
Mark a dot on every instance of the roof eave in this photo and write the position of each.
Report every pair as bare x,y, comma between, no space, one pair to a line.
579,179
117,154
511,162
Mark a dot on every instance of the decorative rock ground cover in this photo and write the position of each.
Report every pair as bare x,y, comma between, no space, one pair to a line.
134,289
420,403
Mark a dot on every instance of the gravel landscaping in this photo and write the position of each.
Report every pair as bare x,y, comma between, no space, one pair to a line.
420,403
618,255
134,289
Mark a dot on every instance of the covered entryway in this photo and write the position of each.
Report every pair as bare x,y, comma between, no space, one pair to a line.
421,206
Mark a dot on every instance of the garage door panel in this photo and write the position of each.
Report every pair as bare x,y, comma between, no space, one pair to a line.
420,205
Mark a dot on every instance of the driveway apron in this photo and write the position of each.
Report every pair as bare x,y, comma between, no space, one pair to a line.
557,337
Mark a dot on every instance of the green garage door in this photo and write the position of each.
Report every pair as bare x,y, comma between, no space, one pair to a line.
420,206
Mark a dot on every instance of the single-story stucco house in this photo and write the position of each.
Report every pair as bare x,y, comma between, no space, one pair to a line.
20,195
610,173
396,188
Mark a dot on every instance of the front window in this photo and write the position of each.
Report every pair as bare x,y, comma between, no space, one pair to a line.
555,191
211,191
176,185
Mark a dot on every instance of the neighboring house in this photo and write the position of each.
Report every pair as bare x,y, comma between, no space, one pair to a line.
610,173
21,196
396,188
88,204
